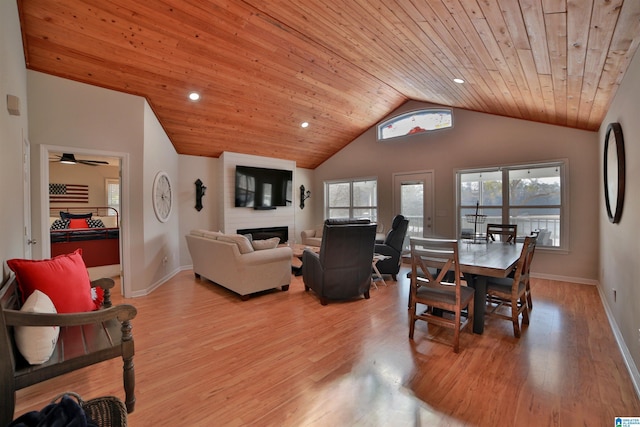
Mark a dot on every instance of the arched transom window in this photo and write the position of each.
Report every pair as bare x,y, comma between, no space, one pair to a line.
415,122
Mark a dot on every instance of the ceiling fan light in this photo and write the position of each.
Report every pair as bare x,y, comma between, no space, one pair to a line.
68,159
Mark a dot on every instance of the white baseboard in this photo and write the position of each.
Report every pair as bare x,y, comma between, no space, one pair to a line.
626,354
580,280
159,283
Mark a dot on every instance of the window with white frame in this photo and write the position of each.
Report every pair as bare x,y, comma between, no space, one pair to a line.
357,198
113,194
415,122
530,196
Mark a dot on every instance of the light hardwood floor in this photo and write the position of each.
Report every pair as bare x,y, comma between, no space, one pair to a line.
204,358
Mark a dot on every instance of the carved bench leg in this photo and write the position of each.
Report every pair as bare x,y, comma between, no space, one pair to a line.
128,374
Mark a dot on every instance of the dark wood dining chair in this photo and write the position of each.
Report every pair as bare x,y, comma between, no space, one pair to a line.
432,289
534,235
506,232
507,298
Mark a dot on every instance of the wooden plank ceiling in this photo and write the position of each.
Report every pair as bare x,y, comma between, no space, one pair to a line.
264,66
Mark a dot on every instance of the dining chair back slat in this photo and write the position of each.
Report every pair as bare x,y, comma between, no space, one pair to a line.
505,232
512,293
431,261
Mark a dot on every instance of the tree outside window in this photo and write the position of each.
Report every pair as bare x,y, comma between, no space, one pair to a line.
352,199
532,198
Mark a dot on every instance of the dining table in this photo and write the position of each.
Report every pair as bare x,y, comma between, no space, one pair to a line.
479,260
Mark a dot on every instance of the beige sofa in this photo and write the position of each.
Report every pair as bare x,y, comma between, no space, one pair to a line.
314,237
231,261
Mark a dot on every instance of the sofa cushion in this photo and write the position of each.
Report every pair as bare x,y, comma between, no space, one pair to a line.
271,243
64,279
244,246
36,343
198,232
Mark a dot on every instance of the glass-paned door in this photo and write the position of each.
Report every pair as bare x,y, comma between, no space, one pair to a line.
413,198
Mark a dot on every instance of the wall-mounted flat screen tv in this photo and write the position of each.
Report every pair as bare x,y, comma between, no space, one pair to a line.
263,188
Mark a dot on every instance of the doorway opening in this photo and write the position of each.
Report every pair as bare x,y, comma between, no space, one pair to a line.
413,198
91,184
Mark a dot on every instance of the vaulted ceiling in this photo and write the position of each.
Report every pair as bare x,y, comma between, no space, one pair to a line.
262,67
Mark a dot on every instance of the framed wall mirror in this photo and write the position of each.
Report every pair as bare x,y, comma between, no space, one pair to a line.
614,172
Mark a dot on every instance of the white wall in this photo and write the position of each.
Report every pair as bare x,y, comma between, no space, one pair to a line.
304,218
93,176
192,168
161,240
620,243
81,117
13,129
481,140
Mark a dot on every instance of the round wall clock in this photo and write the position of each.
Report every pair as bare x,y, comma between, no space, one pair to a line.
162,196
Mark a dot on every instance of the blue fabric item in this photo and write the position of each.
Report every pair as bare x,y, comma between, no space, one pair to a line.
65,413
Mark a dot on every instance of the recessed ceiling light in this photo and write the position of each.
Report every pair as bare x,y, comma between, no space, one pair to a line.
304,124
458,80
194,96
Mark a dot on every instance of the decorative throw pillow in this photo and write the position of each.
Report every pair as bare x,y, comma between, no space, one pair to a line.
95,223
36,343
60,224
78,223
271,243
64,279
67,215
244,246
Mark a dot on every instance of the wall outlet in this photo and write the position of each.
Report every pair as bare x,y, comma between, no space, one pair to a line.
165,259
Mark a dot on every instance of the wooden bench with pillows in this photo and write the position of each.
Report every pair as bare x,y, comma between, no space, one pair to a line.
54,320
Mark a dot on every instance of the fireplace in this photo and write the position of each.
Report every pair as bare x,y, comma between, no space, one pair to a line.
267,233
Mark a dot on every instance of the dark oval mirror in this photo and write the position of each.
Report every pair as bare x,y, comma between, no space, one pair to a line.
614,173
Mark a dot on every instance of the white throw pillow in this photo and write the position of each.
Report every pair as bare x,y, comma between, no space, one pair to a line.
244,246
271,243
36,343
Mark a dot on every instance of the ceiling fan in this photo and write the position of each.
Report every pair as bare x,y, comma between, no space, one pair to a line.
70,159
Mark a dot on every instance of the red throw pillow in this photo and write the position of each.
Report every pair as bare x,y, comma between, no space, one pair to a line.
78,223
64,279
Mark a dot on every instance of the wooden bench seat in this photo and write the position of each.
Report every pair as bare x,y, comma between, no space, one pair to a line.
85,339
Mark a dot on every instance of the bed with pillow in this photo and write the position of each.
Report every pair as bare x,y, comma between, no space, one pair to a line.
95,230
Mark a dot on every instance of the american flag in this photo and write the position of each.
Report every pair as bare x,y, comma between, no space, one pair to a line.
68,193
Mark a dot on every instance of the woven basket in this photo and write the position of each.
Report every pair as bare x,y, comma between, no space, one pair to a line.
107,411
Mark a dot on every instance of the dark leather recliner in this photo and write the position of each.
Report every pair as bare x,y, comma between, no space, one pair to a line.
342,269
392,247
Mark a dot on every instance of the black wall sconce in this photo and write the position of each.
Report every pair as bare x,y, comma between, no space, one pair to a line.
200,190
304,195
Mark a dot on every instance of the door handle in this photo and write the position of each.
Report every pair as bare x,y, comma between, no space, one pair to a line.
32,241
